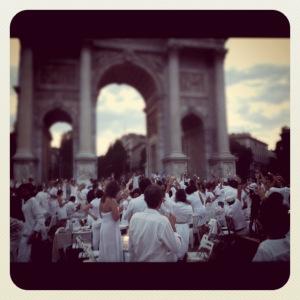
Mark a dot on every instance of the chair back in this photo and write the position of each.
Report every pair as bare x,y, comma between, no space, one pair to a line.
230,224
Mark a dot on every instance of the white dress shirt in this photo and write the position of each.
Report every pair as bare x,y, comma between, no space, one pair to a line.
151,238
194,199
285,192
135,205
43,199
95,207
273,250
70,208
236,213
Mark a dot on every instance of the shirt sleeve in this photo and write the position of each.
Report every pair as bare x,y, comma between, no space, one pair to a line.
128,212
171,239
38,216
261,255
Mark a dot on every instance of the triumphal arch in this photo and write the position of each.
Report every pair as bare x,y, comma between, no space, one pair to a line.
181,81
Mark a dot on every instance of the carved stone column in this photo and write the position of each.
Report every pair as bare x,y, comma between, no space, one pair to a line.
222,163
86,159
24,161
175,162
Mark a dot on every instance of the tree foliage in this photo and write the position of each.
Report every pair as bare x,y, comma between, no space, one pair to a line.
114,161
244,157
66,155
282,151
143,160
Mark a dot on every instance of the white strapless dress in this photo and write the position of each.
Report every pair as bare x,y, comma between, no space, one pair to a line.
110,245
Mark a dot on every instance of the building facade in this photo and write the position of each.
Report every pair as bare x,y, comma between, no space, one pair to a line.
261,154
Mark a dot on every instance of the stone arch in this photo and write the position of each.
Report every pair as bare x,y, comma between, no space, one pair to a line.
128,68
56,115
193,144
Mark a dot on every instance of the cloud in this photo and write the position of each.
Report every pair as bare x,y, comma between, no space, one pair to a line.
258,101
270,72
119,111
57,130
119,99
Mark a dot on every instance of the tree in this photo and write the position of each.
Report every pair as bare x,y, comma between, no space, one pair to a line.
143,159
244,157
13,150
66,155
114,161
282,151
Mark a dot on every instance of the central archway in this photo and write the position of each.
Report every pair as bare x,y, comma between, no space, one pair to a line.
146,83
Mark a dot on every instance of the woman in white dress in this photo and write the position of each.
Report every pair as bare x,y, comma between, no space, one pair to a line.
199,210
183,212
110,245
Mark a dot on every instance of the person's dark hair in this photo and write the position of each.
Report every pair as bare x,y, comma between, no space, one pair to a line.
233,183
39,188
180,196
59,193
274,216
25,192
153,196
191,188
143,184
95,185
72,199
99,193
135,191
111,190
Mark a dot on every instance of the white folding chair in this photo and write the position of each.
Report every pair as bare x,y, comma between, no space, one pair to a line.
205,248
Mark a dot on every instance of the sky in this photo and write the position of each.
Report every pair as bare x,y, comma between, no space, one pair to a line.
256,86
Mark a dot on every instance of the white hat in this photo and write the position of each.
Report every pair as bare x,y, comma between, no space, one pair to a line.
252,186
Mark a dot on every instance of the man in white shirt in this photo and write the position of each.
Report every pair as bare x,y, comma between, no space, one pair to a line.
275,220
43,199
137,204
61,209
153,237
233,209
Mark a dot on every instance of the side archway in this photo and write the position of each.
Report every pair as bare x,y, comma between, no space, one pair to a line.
49,159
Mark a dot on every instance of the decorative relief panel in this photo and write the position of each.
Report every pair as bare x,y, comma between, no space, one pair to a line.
155,62
104,57
192,82
58,75
56,95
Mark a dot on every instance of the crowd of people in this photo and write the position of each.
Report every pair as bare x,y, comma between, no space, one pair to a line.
159,213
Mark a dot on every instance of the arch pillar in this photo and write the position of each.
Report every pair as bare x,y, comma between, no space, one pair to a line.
86,159
222,162
24,160
175,163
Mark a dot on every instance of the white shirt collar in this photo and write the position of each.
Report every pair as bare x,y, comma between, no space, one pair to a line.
151,211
